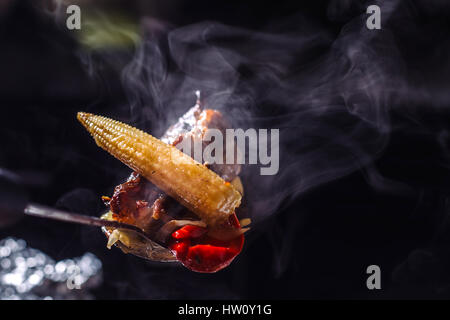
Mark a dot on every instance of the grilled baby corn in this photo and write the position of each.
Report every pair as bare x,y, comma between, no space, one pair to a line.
192,184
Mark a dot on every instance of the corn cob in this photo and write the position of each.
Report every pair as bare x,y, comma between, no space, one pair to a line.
192,184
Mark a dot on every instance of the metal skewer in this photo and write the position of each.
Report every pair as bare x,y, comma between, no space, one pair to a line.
41,211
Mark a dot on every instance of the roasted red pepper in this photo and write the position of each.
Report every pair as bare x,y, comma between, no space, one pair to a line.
199,252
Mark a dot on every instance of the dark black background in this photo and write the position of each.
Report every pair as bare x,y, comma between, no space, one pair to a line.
317,247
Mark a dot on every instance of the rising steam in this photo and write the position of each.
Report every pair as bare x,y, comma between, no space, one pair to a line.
329,97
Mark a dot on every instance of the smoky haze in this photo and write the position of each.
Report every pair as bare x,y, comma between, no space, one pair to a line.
329,95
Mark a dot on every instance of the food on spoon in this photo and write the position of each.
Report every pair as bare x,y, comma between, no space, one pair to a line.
181,203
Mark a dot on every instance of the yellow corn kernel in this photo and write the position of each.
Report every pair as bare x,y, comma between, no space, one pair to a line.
192,184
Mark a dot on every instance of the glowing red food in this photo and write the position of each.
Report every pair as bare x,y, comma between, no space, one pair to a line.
199,252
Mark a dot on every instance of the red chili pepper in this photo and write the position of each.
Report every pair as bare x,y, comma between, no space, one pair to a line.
199,252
